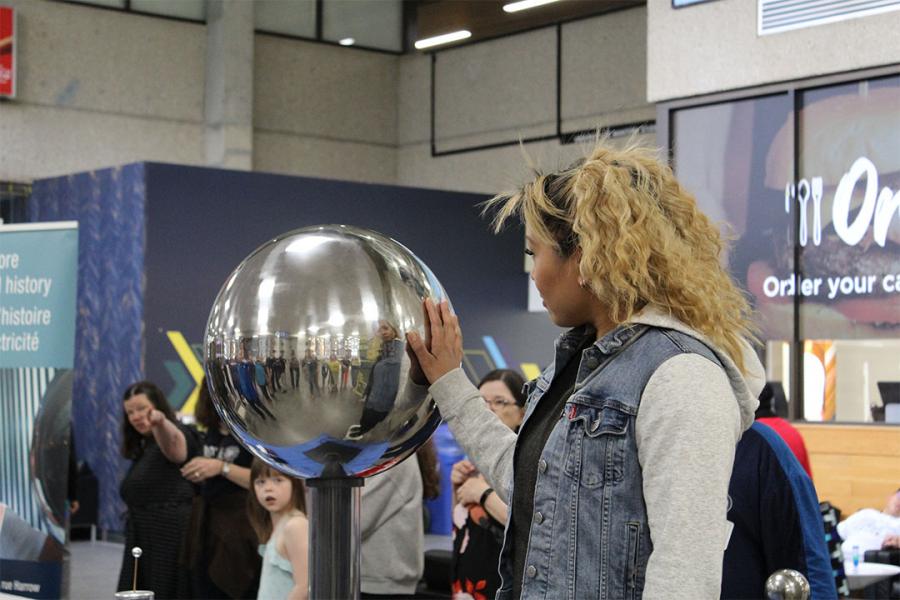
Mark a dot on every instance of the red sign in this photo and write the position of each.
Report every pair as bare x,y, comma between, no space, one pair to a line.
7,52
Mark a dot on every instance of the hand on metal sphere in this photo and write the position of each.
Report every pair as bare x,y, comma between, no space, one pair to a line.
305,357
444,353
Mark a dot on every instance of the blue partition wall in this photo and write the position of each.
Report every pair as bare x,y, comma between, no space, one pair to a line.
158,241
109,208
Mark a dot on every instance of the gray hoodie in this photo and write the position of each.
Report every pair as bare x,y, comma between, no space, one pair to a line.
392,530
686,504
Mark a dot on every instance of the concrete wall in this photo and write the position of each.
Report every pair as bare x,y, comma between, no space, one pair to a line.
324,111
713,47
99,88
505,89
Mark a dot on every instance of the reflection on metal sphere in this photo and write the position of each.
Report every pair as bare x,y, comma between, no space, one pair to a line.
50,449
787,584
136,552
305,352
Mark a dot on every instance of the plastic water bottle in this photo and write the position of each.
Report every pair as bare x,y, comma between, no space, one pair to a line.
855,556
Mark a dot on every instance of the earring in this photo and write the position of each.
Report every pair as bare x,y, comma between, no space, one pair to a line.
582,283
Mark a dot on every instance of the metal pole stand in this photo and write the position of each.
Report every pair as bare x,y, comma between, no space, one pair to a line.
334,562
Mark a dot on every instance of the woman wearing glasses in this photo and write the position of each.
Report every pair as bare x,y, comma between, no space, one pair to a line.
479,515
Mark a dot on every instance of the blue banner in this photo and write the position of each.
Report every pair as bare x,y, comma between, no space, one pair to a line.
38,270
38,283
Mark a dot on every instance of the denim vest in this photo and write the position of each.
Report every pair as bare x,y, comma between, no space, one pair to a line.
589,536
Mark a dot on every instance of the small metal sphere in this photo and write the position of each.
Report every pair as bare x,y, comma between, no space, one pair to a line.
305,352
136,552
787,584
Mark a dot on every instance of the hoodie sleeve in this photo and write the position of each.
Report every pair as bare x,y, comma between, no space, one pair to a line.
687,428
487,441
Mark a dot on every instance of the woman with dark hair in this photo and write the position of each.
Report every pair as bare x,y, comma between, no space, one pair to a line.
221,547
157,497
479,515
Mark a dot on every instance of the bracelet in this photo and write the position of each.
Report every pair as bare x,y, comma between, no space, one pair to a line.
226,468
484,496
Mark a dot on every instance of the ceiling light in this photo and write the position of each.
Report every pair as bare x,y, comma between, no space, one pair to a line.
525,5
348,41
445,38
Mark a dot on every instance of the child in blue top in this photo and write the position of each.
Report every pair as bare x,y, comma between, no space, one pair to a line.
277,510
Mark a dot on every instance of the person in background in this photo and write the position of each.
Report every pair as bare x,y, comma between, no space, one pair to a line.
295,370
221,546
479,515
158,498
617,481
280,367
872,529
772,412
383,383
277,511
777,524
392,526
312,371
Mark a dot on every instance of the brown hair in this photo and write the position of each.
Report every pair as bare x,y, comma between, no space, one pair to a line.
513,381
131,439
205,412
431,479
259,517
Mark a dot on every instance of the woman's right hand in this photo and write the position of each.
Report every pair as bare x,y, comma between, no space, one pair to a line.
444,352
155,417
462,471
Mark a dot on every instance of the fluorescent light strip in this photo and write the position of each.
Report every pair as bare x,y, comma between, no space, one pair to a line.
525,5
445,38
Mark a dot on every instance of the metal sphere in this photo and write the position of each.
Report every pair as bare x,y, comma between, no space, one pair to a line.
136,552
50,447
305,352
787,584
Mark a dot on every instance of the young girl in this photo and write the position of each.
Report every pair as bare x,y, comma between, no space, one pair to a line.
277,511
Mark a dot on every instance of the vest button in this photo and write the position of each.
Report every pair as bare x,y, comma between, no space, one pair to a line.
542,466
538,518
531,571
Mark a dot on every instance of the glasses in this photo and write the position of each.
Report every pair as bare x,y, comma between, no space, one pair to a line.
499,402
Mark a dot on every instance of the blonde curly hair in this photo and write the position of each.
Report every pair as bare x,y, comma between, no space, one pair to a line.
643,241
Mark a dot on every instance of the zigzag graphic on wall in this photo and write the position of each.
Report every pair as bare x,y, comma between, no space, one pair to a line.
187,375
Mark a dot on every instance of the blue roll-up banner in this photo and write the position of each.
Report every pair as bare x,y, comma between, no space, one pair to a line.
38,283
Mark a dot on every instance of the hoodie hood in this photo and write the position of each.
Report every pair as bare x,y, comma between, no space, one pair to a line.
746,386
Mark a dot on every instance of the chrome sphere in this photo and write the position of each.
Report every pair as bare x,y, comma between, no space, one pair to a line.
305,352
50,448
787,584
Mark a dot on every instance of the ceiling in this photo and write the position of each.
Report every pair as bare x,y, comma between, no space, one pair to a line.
486,18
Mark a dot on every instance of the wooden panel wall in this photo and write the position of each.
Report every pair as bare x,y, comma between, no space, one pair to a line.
854,466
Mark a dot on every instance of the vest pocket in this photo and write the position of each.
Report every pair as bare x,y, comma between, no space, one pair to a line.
633,538
596,453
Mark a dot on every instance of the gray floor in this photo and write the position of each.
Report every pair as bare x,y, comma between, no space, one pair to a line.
94,570
94,566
